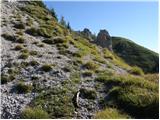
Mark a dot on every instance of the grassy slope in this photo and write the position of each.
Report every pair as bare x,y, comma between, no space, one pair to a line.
136,55
133,93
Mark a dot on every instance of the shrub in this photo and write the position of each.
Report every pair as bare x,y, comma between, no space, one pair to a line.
25,51
22,88
88,93
111,113
59,103
24,56
20,40
152,77
138,102
77,54
44,32
19,25
137,71
20,32
133,94
32,31
5,78
67,69
33,53
18,47
40,45
91,65
87,73
41,32
29,22
48,41
9,37
36,42
46,68
34,63
34,113
24,64
59,40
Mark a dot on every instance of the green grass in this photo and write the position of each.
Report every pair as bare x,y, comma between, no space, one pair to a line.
135,95
88,93
19,25
58,105
136,71
46,68
8,37
33,53
87,73
20,32
32,31
136,55
33,63
152,77
111,113
25,51
44,32
34,113
7,78
91,65
23,88
19,47
138,102
24,56
20,39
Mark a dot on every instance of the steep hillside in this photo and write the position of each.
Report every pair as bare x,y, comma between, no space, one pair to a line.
49,71
136,55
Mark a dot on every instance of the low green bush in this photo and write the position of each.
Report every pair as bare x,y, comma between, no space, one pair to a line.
23,88
88,93
19,47
48,41
19,25
24,56
33,53
40,45
138,102
91,65
40,32
59,103
32,31
24,64
136,71
59,40
46,67
133,94
87,73
8,37
34,63
20,32
111,113
20,39
25,51
44,32
34,113
7,78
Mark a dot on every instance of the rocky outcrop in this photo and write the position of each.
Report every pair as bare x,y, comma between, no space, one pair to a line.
87,33
104,40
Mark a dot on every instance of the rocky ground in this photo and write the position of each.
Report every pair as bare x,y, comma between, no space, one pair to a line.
13,103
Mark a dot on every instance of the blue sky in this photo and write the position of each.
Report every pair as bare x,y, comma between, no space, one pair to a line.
137,21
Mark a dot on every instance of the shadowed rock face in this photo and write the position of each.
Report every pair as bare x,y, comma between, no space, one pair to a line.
104,39
87,33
